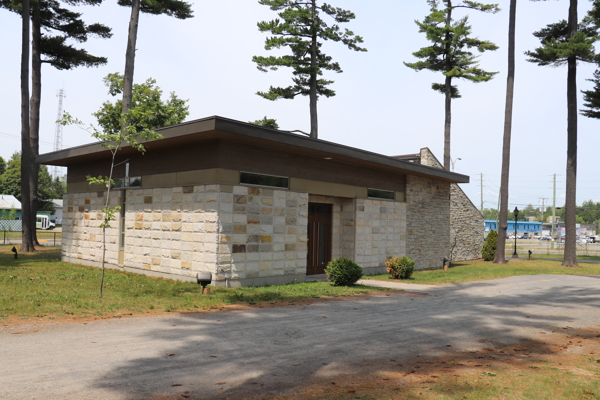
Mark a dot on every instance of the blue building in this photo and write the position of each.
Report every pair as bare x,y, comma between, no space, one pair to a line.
530,228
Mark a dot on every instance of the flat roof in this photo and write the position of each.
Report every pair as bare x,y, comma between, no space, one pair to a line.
219,127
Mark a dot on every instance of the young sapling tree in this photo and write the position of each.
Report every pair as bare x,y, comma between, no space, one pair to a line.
112,140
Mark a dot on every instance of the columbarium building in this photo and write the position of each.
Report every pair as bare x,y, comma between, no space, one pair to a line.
257,206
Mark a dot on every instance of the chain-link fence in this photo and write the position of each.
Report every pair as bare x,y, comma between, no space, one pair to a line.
46,238
550,248
11,225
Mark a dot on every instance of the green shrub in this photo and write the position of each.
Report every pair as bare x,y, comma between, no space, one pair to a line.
400,267
343,272
489,246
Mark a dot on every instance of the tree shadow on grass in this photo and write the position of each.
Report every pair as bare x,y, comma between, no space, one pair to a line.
269,351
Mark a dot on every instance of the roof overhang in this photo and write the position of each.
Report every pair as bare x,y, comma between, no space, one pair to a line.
224,128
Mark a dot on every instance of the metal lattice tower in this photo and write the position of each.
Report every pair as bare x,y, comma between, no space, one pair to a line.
58,132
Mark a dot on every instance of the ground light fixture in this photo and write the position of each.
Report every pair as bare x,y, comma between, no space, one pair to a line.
204,279
515,255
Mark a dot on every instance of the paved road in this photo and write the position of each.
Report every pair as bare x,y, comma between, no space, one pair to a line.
219,355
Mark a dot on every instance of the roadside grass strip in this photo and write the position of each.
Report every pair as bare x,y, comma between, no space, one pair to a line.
39,285
40,235
485,270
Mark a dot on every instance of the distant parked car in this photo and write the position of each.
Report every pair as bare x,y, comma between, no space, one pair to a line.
545,238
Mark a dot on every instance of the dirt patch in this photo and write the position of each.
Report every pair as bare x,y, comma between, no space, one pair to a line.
558,359
460,371
19,325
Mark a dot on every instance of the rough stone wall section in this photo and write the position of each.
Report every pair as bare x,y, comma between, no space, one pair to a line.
427,221
380,231
466,222
466,227
263,233
81,231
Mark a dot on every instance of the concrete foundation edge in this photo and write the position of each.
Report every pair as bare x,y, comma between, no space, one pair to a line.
260,281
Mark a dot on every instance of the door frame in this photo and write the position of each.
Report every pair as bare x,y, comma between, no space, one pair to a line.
313,266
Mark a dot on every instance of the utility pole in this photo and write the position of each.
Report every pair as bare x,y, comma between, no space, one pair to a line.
58,131
482,193
553,205
542,219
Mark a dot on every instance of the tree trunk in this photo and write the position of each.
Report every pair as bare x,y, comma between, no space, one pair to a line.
27,242
447,123
130,60
570,256
34,109
106,221
510,84
448,102
314,123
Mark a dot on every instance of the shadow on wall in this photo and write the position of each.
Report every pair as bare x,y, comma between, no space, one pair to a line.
267,351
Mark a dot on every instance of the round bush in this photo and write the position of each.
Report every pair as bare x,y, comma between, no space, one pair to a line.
489,247
343,272
400,267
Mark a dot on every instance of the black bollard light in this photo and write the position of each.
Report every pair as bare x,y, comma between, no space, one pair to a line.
14,250
530,253
204,279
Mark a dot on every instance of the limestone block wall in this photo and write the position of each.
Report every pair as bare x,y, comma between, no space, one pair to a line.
81,231
263,235
466,227
380,231
427,221
172,230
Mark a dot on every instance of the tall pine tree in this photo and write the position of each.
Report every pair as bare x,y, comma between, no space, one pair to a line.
174,8
52,28
591,98
568,42
303,29
450,53
510,84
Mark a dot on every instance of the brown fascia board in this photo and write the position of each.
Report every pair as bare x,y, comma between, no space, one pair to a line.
224,125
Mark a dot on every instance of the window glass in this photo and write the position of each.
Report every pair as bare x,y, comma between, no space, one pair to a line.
381,194
131,182
264,180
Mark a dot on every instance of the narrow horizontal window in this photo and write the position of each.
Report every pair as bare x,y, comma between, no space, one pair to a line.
129,182
380,194
248,178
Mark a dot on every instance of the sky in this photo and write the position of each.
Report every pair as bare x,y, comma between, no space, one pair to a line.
381,105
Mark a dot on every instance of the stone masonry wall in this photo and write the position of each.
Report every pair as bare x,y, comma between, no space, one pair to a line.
466,222
81,232
380,231
262,234
172,230
237,233
466,227
427,221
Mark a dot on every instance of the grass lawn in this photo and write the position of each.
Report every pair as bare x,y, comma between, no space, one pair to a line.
483,270
40,235
40,285
595,258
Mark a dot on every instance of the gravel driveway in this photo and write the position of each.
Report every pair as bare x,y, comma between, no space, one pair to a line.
266,351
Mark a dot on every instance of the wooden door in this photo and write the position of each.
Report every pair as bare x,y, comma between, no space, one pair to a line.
319,238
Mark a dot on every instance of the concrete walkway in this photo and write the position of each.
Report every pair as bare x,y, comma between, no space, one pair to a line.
398,285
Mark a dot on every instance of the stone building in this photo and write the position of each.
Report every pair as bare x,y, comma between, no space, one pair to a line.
466,221
252,205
